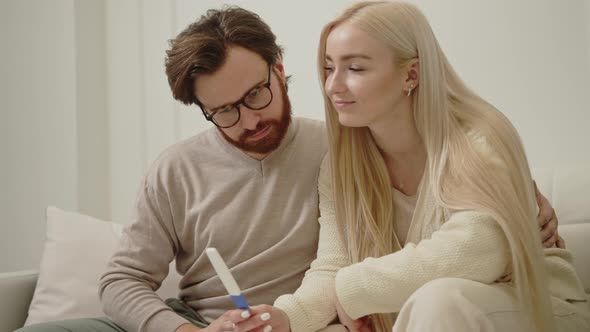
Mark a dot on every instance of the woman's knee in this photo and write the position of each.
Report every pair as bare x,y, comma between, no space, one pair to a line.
448,297
439,290
441,305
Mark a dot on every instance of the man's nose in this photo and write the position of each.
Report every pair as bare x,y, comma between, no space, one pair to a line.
249,118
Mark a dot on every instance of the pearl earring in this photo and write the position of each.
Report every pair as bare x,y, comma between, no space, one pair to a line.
410,89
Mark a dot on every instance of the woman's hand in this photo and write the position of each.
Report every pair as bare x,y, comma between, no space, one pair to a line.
362,324
221,324
263,318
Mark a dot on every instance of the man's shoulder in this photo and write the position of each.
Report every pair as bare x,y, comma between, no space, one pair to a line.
311,142
311,130
191,146
311,125
183,155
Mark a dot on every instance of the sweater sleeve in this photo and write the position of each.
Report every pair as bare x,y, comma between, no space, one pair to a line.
138,267
469,245
313,305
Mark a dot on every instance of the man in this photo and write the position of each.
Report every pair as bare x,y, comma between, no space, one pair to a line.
247,186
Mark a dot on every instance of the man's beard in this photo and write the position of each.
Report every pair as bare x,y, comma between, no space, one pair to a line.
278,130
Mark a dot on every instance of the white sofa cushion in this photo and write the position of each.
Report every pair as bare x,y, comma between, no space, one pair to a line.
77,249
576,238
568,190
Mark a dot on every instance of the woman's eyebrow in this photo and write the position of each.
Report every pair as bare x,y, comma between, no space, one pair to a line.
350,56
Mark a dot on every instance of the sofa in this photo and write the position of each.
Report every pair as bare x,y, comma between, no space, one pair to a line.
58,291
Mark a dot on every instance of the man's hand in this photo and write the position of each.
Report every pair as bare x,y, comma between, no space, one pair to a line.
221,324
263,318
548,222
362,324
187,328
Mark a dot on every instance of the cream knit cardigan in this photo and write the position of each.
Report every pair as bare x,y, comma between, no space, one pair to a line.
440,243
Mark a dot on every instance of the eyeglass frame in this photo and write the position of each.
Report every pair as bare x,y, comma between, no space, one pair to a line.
241,101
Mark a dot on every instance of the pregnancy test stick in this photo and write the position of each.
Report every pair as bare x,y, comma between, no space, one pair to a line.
227,279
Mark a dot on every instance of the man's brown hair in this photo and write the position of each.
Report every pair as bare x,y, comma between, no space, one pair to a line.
201,48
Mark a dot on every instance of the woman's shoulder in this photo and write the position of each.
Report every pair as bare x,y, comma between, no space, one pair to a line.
484,149
324,177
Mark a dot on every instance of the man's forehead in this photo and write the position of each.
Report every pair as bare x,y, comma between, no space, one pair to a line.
240,72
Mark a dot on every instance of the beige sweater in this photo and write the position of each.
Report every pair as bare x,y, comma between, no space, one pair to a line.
203,192
465,244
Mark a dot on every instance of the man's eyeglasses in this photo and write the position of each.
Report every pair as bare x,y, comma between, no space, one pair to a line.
255,99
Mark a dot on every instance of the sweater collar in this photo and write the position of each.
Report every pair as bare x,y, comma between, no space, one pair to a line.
243,158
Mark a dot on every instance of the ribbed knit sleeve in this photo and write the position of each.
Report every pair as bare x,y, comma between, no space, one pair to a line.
313,305
138,267
469,245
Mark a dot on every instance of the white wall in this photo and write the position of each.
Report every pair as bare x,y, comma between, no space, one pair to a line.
91,109
81,134
526,57
38,123
587,3
52,120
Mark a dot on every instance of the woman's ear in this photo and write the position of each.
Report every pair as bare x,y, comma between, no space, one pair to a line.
413,72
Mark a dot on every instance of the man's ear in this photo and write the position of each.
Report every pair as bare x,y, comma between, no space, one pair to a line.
281,69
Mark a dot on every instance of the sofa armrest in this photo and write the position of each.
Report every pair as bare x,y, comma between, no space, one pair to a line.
16,292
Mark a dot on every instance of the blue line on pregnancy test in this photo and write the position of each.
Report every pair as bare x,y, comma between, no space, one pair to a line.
240,302
227,279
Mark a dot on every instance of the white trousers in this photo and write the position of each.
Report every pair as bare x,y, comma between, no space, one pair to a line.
451,304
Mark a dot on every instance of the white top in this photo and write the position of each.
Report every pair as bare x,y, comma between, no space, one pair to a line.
403,210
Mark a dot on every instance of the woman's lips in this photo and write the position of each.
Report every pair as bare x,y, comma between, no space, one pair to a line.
343,104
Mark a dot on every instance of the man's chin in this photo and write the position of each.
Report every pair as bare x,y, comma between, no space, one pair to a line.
264,145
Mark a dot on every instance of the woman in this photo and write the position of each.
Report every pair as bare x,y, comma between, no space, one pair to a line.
458,250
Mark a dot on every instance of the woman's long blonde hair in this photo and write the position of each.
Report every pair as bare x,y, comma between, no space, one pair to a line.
460,178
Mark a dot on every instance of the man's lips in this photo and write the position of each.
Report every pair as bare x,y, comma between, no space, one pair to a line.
261,133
